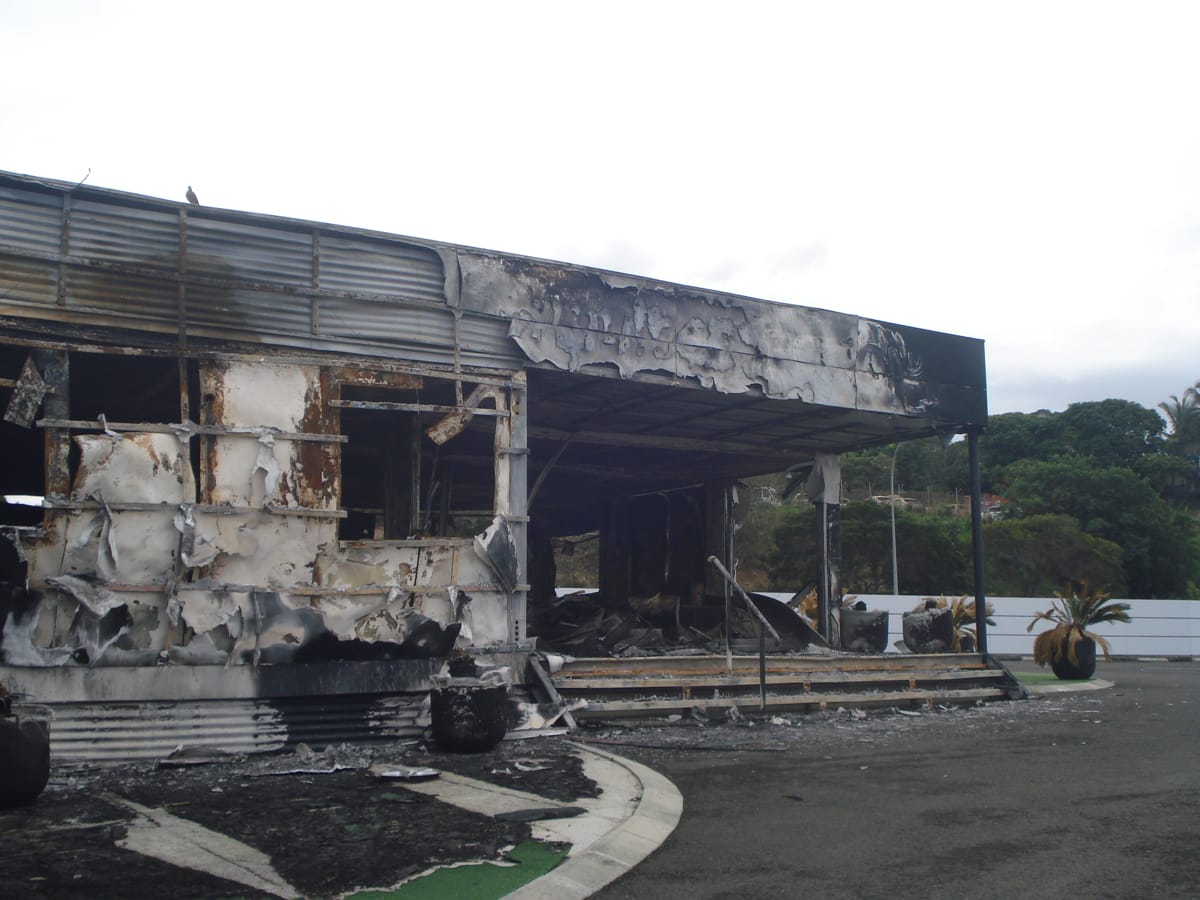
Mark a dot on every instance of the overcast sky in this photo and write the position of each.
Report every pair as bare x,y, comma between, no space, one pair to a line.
1025,173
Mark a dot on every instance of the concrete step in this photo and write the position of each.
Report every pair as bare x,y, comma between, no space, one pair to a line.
785,702
660,686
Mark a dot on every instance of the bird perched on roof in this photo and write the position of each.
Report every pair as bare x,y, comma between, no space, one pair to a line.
191,196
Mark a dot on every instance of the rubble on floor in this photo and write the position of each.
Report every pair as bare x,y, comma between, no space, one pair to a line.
586,624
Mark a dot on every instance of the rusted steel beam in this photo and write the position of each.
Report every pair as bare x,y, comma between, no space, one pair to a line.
55,366
517,427
418,407
18,335
754,610
217,509
183,428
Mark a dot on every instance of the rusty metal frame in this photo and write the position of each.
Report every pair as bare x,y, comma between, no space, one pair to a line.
216,508
206,353
183,429
418,407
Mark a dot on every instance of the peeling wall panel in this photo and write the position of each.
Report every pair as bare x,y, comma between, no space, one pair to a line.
577,320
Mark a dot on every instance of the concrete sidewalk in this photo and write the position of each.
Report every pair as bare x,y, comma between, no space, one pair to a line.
636,811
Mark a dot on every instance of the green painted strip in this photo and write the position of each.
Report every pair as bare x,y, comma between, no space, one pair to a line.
478,881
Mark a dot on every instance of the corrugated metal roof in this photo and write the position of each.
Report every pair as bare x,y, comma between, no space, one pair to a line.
269,280
89,257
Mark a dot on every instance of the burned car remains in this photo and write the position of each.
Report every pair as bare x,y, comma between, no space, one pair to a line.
270,473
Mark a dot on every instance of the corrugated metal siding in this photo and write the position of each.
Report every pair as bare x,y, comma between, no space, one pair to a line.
124,234
485,337
134,298
28,282
30,220
252,280
387,322
245,314
362,265
125,731
243,252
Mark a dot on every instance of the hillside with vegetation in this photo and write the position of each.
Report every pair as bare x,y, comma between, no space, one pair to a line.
1106,491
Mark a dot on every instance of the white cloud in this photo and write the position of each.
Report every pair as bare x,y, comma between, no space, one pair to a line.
1023,172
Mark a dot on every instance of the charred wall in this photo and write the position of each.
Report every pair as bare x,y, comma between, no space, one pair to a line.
243,511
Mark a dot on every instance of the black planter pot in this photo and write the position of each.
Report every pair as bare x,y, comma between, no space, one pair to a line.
864,630
24,759
469,718
1085,652
929,630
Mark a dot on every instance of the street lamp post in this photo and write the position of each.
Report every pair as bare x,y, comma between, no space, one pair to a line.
892,501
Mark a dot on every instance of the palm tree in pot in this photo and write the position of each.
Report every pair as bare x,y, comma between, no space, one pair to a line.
1068,646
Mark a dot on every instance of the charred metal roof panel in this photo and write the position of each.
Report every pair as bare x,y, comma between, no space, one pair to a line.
592,322
80,256
83,257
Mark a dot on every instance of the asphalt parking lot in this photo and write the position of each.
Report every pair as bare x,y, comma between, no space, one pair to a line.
1088,793
1095,793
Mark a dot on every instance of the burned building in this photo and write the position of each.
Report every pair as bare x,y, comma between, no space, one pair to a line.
270,461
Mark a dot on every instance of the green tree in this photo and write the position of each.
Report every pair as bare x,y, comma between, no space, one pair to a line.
1183,444
1034,556
757,515
1013,436
1183,421
1113,503
933,550
865,472
1113,432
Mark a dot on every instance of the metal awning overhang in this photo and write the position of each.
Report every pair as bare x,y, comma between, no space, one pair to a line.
635,384
597,437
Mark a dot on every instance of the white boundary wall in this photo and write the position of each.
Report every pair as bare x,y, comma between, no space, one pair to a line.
1157,627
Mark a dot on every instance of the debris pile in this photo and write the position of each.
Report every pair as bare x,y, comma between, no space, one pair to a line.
587,624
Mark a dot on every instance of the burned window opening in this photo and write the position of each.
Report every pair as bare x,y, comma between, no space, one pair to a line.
23,476
109,394
397,482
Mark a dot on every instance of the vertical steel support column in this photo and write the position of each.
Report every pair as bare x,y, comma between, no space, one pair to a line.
518,502
55,367
829,584
614,550
977,543
718,533
824,491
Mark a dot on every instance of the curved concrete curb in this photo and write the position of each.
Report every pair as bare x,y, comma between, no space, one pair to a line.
1068,687
636,834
